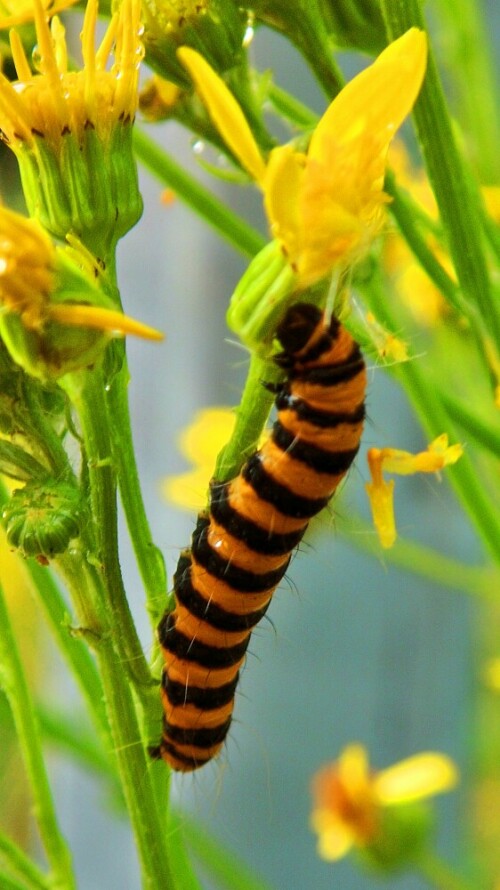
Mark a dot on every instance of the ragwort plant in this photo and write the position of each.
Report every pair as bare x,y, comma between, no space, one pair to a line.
351,214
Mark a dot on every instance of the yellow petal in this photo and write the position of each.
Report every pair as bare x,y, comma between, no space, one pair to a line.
224,111
416,778
335,842
86,316
378,99
282,185
381,496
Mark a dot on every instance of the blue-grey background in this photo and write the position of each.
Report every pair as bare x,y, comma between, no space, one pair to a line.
356,651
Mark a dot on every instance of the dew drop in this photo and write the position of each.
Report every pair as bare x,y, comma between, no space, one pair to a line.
198,147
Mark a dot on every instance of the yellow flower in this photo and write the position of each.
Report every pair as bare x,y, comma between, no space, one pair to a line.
33,277
56,101
437,456
324,206
349,798
200,444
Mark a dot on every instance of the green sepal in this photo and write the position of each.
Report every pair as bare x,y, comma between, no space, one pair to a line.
355,24
16,463
216,32
403,836
260,299
42,518
89,187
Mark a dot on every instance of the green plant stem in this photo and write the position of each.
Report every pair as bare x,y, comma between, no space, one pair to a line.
231,227
149,558
480,582
440,875
9,883
73,649
291,108
17,691
251,415
221,863
87,393
404,212
21,865
457,195
469,60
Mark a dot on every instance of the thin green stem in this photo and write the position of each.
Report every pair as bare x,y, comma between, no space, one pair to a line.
87,394
481,582
251,415
21,866
227,869
291,108
18,694
404,212
456,193
469,61
441,875
231,227
149,558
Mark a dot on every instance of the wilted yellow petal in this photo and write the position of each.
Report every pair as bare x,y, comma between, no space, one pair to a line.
418,777
381,496
224,111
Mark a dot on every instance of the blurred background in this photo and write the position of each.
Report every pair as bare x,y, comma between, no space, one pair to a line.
355,649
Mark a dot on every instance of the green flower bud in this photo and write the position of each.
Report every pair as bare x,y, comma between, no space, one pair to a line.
216,28
42,518
355,24
403,834
261,298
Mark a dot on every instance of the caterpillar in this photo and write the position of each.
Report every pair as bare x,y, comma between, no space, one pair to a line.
242,545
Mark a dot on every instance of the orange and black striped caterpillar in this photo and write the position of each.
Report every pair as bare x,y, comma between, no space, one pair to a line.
242,545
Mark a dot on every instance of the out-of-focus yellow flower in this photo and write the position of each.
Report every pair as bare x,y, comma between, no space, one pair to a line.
349,797
325,206
200,443
391,460
18,12
31,274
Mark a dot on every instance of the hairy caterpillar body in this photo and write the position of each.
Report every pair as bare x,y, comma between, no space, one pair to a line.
241,547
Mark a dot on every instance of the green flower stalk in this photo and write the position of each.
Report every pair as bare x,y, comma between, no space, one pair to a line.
72,130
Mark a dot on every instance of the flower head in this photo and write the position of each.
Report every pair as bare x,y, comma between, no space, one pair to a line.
350,799
437,456
70,129
325,205
52,314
